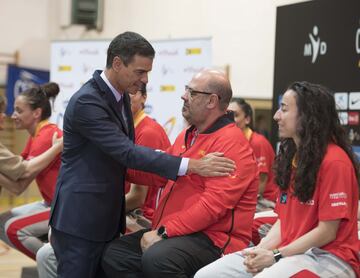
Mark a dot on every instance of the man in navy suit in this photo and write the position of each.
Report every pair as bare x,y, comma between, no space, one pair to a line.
88,208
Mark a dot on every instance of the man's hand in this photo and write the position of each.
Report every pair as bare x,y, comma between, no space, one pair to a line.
257,259
211,165
148,239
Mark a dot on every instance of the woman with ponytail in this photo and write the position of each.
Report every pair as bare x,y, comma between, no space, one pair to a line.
23,226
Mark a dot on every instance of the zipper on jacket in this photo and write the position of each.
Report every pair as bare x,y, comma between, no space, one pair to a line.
165,202
230,230
171,189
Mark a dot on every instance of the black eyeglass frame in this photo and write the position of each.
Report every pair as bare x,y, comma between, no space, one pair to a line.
192,91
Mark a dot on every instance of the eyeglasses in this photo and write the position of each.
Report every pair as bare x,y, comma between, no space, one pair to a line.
193,92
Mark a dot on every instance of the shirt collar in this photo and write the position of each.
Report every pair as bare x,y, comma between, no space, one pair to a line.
248,132
116,94
40,125
139,117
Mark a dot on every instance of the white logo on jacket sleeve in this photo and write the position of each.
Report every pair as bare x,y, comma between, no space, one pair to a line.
338,195
338,204
336,199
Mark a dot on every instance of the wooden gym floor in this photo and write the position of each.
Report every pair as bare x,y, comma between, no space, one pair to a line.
12,261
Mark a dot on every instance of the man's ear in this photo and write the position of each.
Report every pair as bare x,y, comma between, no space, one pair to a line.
212,101
117,63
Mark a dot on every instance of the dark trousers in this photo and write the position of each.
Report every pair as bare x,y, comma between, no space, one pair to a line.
173,257
77,257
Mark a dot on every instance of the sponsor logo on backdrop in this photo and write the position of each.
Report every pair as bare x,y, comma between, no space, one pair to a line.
343,117
64,52
354,101
67,86
166,70
341,100
87,68
192,69
193,51
167,88
316,47
64,68
87,51
353,118
166,52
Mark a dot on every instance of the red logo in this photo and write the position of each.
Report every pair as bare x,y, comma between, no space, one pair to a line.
353,118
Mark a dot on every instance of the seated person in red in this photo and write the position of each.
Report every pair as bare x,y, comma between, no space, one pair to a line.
317,173
264,153
264,217
17,173
22,227
140,199
198,219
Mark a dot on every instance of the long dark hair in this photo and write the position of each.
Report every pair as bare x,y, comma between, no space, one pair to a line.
40,96
318,125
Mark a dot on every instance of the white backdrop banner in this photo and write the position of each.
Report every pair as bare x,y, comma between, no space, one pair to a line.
176,61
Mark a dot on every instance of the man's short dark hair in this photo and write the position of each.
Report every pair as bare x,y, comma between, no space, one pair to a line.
126,46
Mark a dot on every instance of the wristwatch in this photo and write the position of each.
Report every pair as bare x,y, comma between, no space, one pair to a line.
277,255
162,232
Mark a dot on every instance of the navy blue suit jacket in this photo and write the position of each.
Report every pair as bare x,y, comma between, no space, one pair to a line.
89,200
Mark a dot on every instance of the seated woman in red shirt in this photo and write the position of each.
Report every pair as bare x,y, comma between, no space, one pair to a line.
22,226
316,170
264,217
263,151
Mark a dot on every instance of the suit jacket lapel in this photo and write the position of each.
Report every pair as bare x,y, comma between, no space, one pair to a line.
110,99
116,109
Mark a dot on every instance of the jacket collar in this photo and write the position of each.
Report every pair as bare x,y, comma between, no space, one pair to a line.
110,98
221,122
100,82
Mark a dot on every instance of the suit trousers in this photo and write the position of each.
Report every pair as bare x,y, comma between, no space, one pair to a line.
77,257
178,256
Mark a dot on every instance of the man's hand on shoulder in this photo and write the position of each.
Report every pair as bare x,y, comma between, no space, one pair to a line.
212,165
